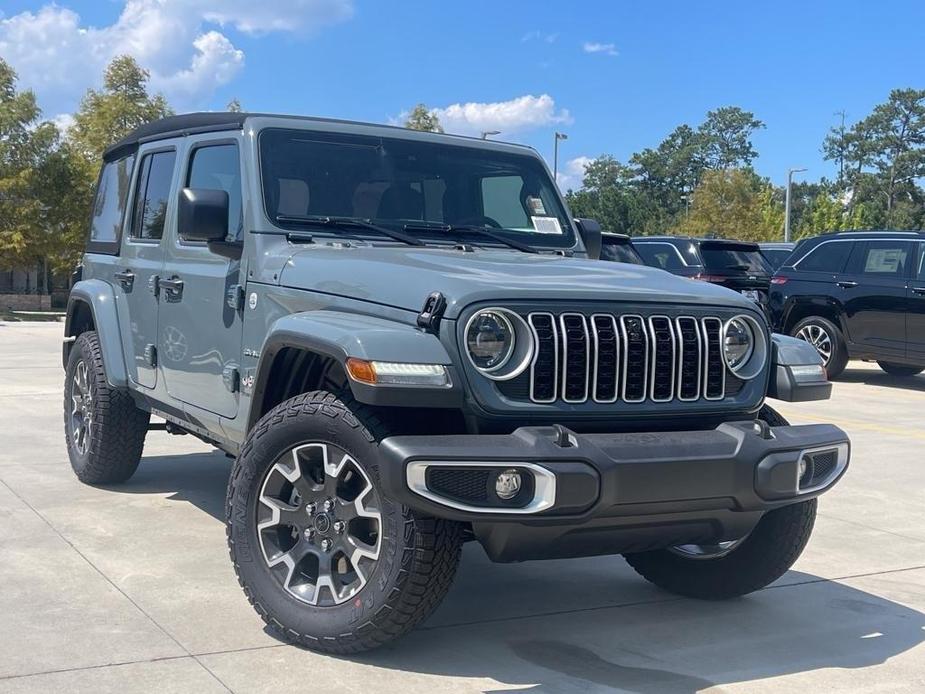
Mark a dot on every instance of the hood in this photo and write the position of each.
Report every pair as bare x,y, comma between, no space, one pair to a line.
403,277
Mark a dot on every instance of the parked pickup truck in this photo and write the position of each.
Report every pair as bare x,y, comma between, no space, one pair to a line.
404,343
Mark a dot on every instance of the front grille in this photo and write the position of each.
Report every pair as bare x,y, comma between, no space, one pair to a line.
605,358
461,484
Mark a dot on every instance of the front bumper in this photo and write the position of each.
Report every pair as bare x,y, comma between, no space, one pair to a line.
615,493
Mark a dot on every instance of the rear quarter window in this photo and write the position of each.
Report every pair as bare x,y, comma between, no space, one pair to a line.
828,256
661,255
109,206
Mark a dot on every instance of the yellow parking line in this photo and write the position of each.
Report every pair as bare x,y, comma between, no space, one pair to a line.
871,426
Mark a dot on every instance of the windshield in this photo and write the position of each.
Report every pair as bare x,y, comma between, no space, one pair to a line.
729,258
409,185
620,252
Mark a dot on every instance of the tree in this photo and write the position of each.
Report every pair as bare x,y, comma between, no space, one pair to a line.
735,204
726,137
422,118
233,106
122,105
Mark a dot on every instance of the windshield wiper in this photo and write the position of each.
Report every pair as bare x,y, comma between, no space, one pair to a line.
346,222
471,228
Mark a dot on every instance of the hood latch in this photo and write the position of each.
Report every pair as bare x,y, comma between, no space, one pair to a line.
430,315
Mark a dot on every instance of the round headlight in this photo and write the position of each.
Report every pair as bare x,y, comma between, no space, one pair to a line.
490,340
738,343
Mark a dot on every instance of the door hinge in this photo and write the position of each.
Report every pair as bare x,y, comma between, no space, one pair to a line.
154,285
151,354
234,297
232,378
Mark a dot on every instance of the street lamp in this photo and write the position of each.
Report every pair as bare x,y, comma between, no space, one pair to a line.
555,155
486,133
790,173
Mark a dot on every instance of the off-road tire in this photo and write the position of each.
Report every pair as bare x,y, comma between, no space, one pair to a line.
119,426
839,356
900,370
762,557
418,556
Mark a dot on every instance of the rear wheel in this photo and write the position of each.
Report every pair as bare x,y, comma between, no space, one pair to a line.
900,370
104,429
828,341
323,555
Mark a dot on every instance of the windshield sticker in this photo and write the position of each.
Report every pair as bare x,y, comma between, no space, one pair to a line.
546,225
536,206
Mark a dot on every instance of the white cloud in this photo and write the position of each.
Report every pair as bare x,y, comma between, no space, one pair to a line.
572,174
512,116
604,48
59,57
539,36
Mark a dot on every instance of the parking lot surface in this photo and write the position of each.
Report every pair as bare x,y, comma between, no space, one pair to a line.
130,589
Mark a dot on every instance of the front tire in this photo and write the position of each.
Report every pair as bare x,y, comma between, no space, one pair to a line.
326,559
900,370
104,429
828,341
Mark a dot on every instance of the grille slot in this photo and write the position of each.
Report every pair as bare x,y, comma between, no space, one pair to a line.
606,358
461,484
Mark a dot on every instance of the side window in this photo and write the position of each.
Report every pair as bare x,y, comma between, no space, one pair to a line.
662,255
881,258
152,194
501,201
921,273
826,257
109,204
216,167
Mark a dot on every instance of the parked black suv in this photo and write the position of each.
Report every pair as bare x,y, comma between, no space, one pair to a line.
776,252
737,265
618,248
856,295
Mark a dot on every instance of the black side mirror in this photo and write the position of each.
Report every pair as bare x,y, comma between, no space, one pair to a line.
203,215
590,232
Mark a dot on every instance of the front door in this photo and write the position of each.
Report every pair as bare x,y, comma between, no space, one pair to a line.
141,261
200,329
873,292
915,319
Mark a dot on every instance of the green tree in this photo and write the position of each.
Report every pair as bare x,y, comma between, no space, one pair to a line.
725,137
422,118
736,204
234,106
123,104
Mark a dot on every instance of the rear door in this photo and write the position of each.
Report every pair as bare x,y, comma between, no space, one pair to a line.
915,318
142,259
200,328
873,292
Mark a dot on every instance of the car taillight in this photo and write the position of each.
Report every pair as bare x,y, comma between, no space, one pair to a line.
779,280
710,278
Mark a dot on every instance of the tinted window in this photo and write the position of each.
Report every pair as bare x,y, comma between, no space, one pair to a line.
881,258
111,198
727,258
775,257
397,182
151,196
216,167
921,273
621,252
662,255
826,257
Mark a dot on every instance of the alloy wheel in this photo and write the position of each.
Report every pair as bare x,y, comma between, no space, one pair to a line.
819,338
81,409
319,524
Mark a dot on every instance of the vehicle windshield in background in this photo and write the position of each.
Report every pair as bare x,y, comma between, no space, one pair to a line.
776,256
727,258
423,188
622,252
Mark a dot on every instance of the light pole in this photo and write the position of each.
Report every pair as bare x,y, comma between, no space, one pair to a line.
790,173
555,156
486,133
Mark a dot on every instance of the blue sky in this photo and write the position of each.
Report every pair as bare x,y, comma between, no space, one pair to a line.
615,76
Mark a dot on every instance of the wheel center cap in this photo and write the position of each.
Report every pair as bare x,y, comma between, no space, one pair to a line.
322,522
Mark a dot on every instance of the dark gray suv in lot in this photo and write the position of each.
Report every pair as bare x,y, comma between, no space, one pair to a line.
402,341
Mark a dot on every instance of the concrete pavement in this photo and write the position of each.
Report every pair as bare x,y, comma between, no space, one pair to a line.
130,589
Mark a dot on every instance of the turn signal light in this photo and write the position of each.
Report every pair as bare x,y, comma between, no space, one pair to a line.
397,374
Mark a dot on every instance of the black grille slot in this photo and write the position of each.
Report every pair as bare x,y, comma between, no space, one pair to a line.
821,466
468,485
575,357
715,369
607,352
635,359
690,360
662,358
545,366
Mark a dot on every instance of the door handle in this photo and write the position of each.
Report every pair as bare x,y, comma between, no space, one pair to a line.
918,290
126,278
173,288
847,284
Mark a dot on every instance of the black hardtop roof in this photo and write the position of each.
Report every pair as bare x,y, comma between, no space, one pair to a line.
616,236
215,121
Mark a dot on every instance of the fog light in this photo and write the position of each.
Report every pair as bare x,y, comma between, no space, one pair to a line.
507,484
801,470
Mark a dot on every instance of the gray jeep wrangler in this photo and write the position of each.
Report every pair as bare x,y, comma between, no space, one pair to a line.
405,342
